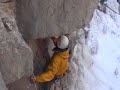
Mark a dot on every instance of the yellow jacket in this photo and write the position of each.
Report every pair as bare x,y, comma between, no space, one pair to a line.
57,67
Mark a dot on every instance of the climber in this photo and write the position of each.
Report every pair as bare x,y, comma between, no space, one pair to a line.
59,61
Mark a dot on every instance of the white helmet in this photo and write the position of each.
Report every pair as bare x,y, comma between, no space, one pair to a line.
63,42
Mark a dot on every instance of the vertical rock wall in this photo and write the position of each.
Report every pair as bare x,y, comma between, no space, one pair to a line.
44,18
16,58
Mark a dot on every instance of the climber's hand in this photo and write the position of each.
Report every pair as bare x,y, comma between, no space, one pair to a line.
32,79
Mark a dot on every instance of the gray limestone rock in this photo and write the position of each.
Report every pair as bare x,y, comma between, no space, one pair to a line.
16,58
1,1
43,18
22,84
2,84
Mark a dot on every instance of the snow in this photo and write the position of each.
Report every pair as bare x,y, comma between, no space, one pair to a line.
105,31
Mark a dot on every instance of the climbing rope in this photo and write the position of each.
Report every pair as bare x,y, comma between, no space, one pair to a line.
108,7
111,9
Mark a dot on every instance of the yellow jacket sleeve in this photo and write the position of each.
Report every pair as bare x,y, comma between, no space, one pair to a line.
52,70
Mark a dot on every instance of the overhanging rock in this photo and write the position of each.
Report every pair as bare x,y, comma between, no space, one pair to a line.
16,58
43,18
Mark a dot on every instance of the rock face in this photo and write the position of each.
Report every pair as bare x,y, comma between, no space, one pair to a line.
16,58
2,84
21,84
43,18
3,1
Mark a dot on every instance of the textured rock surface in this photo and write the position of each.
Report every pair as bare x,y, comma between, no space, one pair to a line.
3,1
21,84
38,47
8,6
16,58
2,84
42,18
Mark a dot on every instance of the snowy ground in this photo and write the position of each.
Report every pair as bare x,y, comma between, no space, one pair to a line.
105,37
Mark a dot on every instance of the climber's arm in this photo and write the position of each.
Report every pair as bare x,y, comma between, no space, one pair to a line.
52,70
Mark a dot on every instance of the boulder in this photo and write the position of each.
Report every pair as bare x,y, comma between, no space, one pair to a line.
16,58
43,18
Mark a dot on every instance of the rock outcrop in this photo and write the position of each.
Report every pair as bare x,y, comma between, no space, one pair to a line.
44,18
16,58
